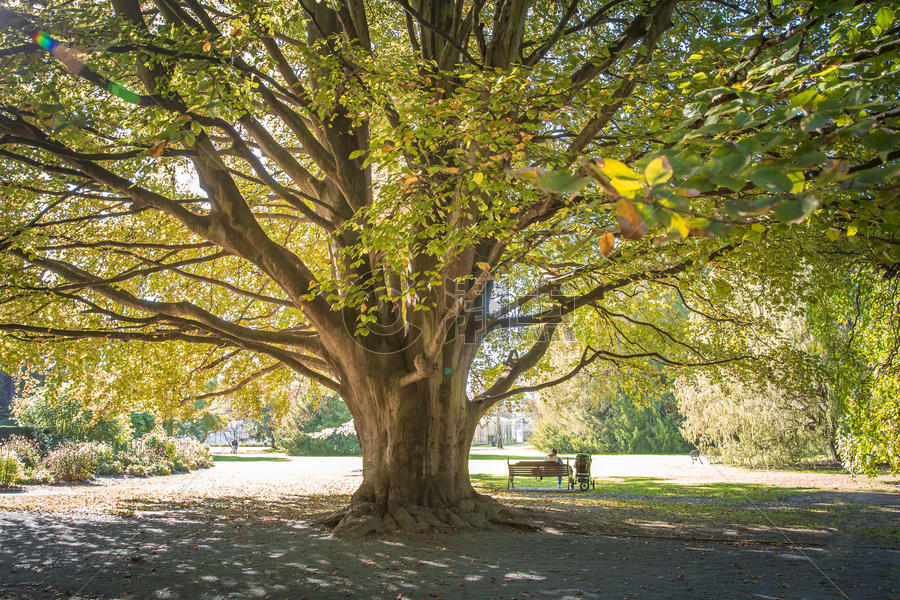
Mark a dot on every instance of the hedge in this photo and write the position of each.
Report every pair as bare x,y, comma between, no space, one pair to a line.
8,430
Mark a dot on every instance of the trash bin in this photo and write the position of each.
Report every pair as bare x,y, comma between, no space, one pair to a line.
583,471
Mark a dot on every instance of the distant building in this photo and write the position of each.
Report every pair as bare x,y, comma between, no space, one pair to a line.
514,426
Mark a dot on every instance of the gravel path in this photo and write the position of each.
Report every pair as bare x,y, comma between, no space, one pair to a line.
237,531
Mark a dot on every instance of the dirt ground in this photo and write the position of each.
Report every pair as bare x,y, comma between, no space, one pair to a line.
239,530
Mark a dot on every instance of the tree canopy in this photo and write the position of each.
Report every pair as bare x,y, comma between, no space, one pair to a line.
381,196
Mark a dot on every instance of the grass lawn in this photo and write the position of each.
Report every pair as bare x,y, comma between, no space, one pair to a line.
248,458
657,508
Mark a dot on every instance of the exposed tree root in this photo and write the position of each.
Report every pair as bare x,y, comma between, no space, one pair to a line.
479,512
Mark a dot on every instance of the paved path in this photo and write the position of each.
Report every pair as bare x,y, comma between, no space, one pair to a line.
80,556
236,531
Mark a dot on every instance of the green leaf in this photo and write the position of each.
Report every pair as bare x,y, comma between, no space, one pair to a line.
59,122
884,18
772,178
882,141
875,175
795,210
804,98
558,182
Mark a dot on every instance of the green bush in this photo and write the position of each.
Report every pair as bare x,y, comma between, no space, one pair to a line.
73,461
136,470
108,462
142,422
161,469
161,448
610,424
67,421
303,431
37,476
191,455
7,431
10,470
332,445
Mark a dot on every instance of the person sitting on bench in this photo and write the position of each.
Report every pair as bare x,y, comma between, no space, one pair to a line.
553,456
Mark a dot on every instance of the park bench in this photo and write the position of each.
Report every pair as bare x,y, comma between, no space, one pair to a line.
537,468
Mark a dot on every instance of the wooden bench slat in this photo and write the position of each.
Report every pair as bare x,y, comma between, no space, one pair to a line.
536,468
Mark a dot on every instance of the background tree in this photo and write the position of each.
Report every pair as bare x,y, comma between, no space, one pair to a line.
317,425
263,426
608,409
326,189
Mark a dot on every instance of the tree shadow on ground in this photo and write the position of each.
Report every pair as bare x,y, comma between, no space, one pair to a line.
150,556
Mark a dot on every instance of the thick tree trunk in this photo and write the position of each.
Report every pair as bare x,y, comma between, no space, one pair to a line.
415,442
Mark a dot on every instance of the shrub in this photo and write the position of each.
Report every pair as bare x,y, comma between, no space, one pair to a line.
158,450
160,469
37,476
10,469
73,461
107,461
160,447
336,444
25,448
136,470
190,455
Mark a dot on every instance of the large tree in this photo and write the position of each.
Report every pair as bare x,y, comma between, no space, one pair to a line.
356,192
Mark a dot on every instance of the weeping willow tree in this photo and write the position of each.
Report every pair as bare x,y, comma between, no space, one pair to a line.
245,193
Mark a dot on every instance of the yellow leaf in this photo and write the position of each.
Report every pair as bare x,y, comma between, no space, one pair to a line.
629,188
658,171
478,178
615,169
630,222
680,225
799,181
157,150
824,72
607,241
